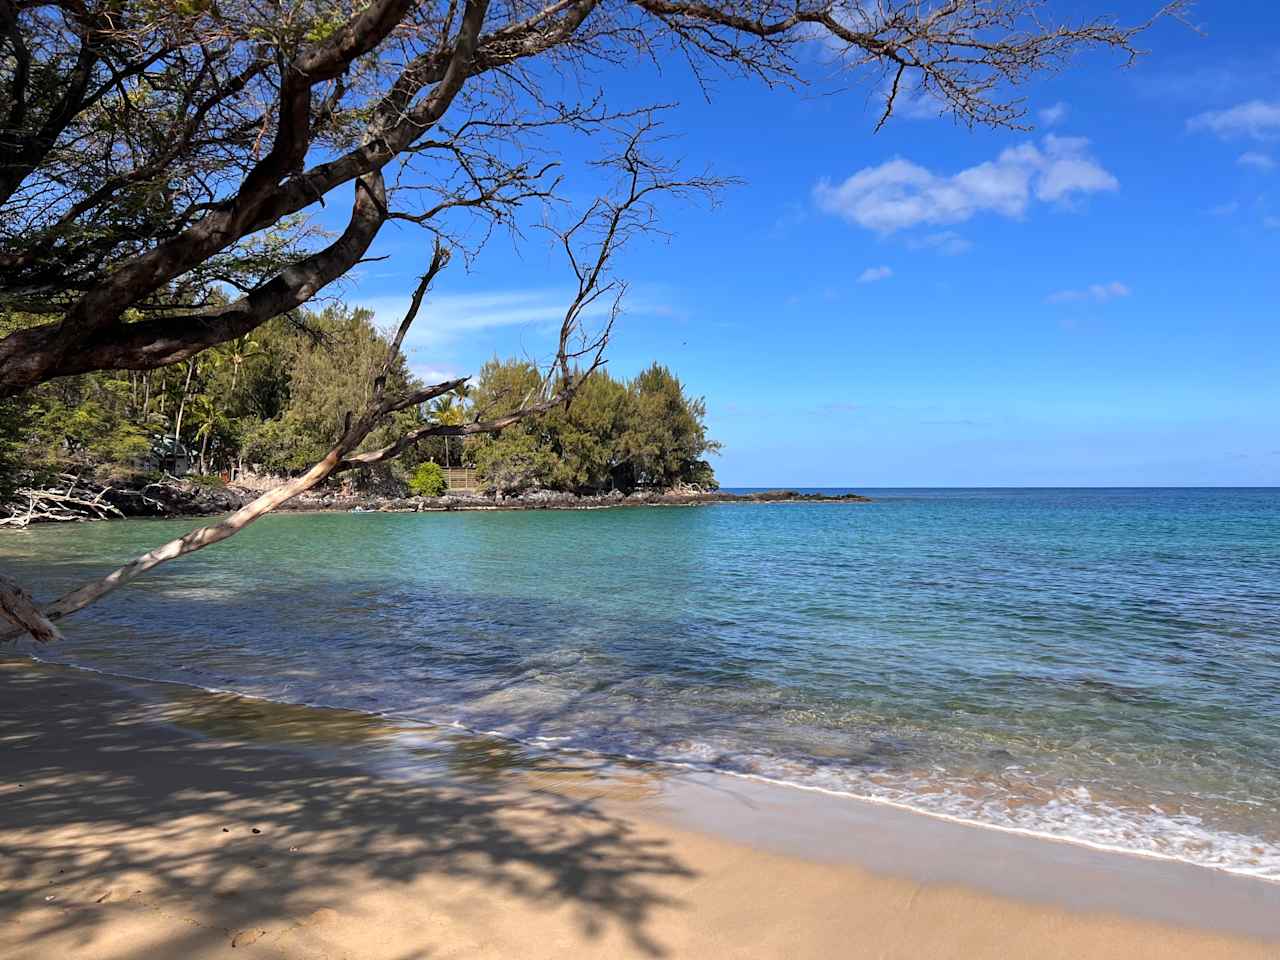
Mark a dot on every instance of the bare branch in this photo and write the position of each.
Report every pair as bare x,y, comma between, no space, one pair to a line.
168,136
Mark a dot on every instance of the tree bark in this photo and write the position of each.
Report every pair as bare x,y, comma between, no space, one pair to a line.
17,606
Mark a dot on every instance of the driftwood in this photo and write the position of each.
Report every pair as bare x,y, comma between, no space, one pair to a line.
33,505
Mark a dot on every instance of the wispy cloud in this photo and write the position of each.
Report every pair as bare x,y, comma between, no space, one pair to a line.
1259,119
429,374
1256,160
1230,208
1094,293
899,194
946,242
1054,115
445,318
873,274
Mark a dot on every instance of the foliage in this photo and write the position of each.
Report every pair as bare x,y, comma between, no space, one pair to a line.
614,435
428,480
665,435
513,462
13,416
276,402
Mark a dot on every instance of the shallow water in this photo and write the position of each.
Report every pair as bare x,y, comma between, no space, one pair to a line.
1098,665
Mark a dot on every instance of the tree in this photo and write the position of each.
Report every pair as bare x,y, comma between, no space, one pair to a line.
449,409
586,435
153,155
428,480
665,438
237,353
211,423
514,462
614,435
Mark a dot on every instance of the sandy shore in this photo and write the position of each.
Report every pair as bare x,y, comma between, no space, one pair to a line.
151,820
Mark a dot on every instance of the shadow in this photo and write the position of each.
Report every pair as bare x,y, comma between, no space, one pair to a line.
242,820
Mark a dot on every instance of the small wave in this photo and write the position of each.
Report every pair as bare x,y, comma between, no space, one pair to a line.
1073,815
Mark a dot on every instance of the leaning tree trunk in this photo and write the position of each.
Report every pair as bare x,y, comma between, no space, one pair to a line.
193,541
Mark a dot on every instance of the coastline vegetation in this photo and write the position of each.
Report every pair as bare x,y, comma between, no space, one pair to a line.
272,402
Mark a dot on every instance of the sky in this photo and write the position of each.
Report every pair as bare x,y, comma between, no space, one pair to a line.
1090,302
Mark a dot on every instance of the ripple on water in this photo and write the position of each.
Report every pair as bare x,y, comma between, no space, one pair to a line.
1102,666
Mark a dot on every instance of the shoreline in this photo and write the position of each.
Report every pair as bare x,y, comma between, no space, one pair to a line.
684,771
180,499
822,840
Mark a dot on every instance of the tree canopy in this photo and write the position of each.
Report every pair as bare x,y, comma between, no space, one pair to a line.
275,401
158,160
616,435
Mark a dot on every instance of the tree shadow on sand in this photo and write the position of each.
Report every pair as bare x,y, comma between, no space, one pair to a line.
100,804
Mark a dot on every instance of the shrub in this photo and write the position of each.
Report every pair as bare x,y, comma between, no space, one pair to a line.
428,480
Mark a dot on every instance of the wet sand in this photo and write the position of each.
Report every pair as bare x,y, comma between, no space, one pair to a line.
153,820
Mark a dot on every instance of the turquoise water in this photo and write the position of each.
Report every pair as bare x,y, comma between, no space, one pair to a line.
1095,665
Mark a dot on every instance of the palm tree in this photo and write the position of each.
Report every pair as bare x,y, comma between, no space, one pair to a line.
211,421
449,410
238,352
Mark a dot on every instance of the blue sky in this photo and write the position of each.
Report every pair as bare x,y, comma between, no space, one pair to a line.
1092,302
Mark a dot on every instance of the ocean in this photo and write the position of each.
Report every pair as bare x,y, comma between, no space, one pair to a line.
1099,666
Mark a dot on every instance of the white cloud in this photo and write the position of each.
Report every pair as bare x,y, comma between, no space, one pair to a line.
434,374
1095,293
1054,115
1258,119
444,317
946,242
1227,209
872,274
1259,161
899,194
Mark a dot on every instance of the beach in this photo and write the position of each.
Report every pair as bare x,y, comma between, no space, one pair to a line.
1094,666
145,819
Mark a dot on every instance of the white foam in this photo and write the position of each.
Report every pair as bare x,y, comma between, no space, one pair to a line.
1075,816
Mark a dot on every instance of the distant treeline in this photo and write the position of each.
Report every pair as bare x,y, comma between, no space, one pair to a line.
274,401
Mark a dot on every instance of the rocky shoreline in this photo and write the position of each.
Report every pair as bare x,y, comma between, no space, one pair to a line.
76,499
554,500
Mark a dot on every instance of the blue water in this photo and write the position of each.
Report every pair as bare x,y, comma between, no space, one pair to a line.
1094,665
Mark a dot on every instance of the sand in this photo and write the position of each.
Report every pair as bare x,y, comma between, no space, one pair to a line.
145,820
